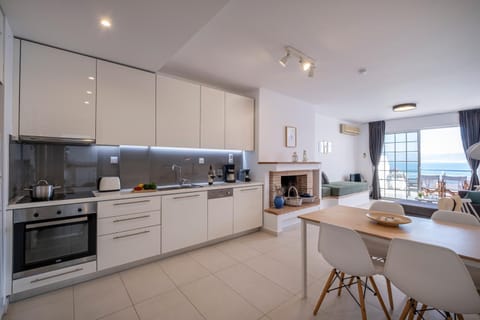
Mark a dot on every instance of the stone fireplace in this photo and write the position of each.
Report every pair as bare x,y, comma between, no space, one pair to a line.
305,181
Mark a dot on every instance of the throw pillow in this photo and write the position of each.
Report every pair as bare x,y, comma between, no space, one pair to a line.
325,178
474,196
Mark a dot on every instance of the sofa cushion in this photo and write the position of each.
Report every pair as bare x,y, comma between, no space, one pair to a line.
325,178
474,196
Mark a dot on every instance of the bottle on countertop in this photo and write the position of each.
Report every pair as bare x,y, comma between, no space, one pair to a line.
211,175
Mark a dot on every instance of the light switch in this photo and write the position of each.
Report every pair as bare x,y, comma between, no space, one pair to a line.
113,160
230,158
201,160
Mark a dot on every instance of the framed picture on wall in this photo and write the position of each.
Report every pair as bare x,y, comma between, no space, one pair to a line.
290,137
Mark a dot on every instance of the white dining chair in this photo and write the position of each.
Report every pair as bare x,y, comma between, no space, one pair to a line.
446,204
387,206
433,276
455,217
346,252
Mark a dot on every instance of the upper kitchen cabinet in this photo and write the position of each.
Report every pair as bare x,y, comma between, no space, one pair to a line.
125,105
212,118
239,122
2,49
178,113
57,93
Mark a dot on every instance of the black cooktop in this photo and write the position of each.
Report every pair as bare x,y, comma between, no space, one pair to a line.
60,196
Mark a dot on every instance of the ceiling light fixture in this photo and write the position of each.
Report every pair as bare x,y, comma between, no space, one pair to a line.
307,63
404,107
106,23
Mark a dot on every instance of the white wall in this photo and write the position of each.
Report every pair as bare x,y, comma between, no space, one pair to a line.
275,111
342,160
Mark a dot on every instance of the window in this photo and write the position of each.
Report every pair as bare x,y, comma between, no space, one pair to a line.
419,159
399,164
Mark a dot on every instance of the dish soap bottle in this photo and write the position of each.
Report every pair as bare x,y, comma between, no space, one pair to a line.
211,175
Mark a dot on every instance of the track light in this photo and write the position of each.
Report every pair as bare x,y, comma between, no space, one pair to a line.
283,61
307,63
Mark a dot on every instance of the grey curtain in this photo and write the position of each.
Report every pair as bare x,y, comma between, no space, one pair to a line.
376,134
470,131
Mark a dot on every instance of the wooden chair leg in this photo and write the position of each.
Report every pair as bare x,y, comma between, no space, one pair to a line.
412,310
379,297
342,276
389,291
422,312
362,299
405,310
460,316
350,282
324,291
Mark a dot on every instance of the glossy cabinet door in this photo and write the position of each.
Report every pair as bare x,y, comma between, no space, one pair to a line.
239,122
220,217
247,208
57,93
178,113
125,105
184,220
212,117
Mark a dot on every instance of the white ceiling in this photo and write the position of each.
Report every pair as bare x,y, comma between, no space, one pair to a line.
415,51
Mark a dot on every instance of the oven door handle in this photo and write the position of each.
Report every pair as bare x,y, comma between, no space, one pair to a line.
54,223
56,275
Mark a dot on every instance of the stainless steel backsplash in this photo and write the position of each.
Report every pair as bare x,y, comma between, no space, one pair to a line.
77,168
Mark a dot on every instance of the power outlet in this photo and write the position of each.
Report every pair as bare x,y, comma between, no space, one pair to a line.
230,158
201,160
113,160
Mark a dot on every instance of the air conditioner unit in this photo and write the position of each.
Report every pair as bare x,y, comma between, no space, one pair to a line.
348,129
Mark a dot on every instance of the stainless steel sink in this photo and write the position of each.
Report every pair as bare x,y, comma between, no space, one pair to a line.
179,187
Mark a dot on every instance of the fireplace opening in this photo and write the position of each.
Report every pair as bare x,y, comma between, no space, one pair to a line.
305,181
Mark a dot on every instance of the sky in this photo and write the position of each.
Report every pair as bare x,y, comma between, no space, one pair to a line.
442,145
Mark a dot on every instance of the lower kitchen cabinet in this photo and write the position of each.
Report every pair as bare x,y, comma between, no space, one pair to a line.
128,246
184,220
247,208
47,278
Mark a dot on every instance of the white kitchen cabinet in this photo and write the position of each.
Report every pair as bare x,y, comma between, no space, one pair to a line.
220,217
2,47
125,105
52,277
178,113
128,230
123,247
247,208
184,220
239,122
212,117
57,93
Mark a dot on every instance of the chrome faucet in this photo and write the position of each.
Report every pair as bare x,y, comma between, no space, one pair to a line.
178,175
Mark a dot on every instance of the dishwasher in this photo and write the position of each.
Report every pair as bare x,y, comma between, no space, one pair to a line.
220,213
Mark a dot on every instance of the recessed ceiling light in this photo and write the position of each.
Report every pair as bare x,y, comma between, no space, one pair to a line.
404,107
106,23
89,92
91,78
86,102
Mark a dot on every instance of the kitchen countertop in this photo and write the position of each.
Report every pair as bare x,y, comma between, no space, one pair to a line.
127,193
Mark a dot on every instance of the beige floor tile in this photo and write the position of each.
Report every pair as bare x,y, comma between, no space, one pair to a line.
125,314
213,259
216,301
255,288
263,241
56,305
296,308
183,269
100,297
146,281
237,250
171,305
286,276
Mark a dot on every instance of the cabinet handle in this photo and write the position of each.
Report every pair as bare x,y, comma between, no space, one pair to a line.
56,275
131,235
190,196
131,202
249,189
133,218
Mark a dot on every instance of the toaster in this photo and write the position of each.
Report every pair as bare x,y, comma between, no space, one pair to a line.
108,184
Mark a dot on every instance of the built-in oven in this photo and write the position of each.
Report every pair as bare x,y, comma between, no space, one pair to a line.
53,237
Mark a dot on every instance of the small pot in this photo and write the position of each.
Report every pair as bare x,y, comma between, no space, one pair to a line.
42,190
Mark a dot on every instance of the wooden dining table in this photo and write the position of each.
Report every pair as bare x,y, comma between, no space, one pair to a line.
462,239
